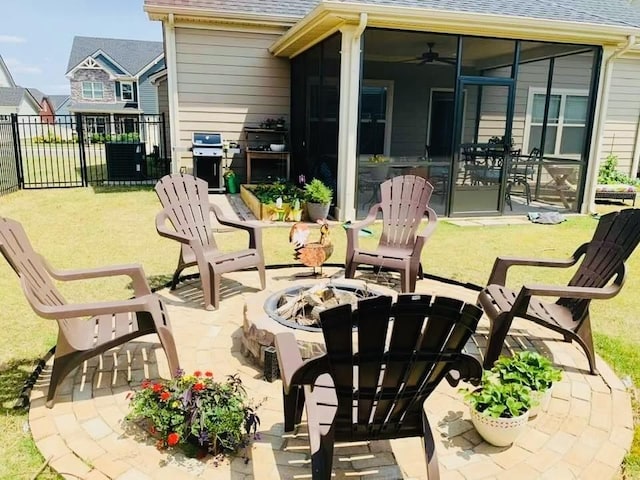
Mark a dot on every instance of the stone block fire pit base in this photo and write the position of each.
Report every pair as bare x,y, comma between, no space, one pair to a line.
259,329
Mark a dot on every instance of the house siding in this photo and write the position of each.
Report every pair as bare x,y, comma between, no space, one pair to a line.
623,114
108,63
163,108
226,81
147,93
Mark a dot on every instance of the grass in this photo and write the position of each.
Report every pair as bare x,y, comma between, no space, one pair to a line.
86,227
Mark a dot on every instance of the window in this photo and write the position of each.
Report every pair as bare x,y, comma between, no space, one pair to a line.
96,125
566,121
126,91
92,90
376,97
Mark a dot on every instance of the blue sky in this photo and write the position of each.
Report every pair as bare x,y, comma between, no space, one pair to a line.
36,35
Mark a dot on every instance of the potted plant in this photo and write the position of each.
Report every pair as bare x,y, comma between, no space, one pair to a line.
499,411
295,214
531,370
195,413
380,168
280,122
230,180
318,197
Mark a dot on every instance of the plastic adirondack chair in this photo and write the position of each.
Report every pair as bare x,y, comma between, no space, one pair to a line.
109,323
404,201
426,341
186,206
614,239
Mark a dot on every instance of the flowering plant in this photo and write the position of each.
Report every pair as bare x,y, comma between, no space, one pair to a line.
378,158
195,413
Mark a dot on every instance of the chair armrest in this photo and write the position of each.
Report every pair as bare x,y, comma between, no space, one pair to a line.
601,293
59,312
162,229
133,271
428,230
293,370
252,227
466,368
498,274
353,229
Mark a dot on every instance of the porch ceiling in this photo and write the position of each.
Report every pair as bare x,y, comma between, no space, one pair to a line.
330,16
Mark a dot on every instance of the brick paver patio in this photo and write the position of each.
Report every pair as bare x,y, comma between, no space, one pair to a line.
584,433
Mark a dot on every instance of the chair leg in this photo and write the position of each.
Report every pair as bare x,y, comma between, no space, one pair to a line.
350,270
433,470
497,333
215,290
176,276
261,273
585,339
61,368
293,405
322,460
169,346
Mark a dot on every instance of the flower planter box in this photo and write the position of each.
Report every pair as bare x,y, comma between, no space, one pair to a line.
267,211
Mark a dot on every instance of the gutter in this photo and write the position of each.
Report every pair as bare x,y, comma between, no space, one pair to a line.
602,118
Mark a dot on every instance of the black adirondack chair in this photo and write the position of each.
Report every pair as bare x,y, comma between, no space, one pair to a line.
614,239
427,337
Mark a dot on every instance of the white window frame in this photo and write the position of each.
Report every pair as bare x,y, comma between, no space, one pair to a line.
388,84
93,90
563,93
130,84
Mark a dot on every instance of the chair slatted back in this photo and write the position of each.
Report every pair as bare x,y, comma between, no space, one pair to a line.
404,201
403,352
186,202
17,250
614,240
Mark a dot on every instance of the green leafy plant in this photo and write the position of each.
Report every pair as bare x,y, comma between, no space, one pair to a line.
317,192
270,192
496,399
609,175
527,368
228,173
378,158
195,413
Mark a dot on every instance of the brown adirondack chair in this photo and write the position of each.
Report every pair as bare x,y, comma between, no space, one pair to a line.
426,341
109,323
404,201
614,239
185,203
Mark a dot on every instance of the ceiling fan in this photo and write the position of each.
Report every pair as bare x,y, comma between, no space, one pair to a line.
430,57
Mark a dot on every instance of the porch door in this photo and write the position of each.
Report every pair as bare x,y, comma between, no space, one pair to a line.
483,146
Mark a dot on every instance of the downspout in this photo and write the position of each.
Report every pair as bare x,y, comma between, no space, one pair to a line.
594,165
348,134
172,81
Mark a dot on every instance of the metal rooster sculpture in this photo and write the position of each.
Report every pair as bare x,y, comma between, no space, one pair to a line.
311,254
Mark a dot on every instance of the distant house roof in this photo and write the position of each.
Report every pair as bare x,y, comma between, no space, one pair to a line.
103,108
610,12
7,74
57,100
132,55
37,94
11,96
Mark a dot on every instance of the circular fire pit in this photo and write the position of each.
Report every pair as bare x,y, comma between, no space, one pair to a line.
268,313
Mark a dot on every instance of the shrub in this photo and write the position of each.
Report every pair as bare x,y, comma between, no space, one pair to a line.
317,192
608,175
270,192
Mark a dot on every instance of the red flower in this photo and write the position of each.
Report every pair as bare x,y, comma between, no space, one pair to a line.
197,373
198,386
146,384
157,387
172,439
164,396
208,374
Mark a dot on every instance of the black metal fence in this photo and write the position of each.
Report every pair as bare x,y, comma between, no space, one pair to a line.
80,150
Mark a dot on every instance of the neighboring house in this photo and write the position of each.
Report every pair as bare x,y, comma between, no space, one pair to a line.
47,111
60,105
13,98
110,82
412,79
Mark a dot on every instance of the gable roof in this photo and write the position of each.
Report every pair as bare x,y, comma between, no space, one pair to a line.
132,55
58,100
11,96
598,12
4,72
37,94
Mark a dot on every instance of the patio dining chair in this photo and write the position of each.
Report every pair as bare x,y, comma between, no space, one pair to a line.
600,275
85,329
404,202
185,202
377,391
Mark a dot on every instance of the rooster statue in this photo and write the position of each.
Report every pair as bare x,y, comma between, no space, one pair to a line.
311,254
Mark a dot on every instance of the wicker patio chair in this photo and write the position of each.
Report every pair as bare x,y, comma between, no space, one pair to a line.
384,400
186,206
85,329
404,202
603,258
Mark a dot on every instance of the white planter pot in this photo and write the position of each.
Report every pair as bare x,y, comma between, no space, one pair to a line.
317,211
500,432
539,401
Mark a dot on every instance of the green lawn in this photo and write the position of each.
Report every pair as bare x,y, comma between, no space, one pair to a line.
86,227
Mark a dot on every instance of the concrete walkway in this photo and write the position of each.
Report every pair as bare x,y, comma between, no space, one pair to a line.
584,433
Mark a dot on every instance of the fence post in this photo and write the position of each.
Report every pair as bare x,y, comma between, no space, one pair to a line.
15,130
81,150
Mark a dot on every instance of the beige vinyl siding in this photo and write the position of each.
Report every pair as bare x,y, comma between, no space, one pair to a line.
228,80
163,108
623,113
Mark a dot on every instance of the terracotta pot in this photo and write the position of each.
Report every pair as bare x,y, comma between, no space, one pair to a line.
500,432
